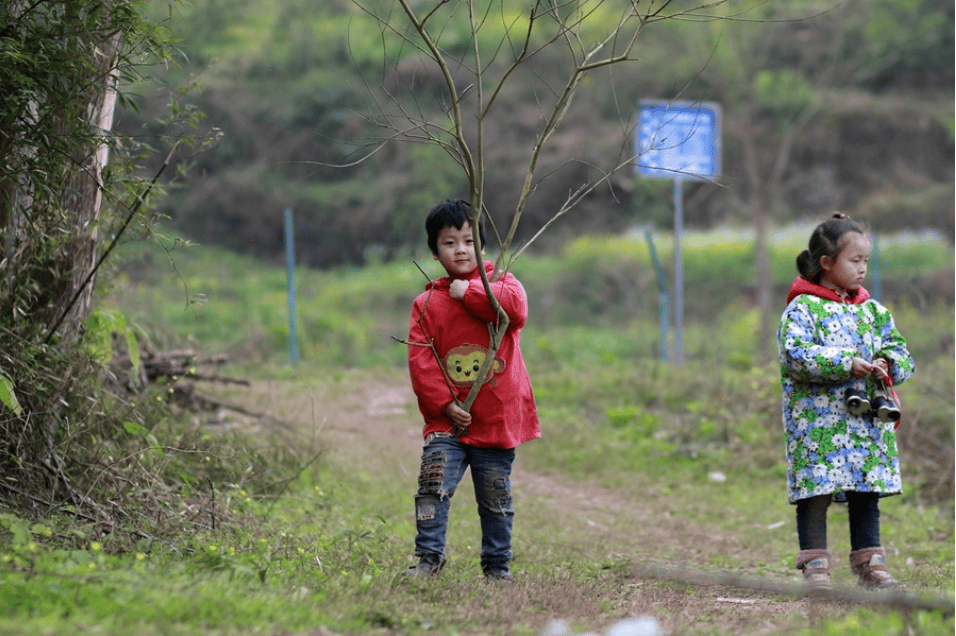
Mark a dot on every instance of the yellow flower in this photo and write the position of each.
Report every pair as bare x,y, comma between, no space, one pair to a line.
95,546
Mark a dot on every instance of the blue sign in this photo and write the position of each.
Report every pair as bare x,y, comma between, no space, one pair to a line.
677,140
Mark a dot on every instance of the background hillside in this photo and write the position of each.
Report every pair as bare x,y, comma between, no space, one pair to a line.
865,90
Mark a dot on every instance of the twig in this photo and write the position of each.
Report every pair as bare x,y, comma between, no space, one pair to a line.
129,218
898,599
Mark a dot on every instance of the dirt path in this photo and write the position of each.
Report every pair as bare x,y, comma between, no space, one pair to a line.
378,418
374,421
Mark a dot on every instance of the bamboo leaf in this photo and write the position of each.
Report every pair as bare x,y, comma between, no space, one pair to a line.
8,397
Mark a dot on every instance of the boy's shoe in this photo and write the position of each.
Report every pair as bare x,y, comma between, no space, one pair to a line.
499,573
869,565
428,566
816,570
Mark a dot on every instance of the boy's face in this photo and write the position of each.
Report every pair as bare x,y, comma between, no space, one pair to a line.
456,251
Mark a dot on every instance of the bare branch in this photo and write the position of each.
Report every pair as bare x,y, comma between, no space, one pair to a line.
567,22
899,599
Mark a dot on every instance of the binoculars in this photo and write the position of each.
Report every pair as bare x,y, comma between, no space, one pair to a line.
882,405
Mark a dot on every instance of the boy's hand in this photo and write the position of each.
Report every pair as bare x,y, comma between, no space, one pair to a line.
459,416
457,289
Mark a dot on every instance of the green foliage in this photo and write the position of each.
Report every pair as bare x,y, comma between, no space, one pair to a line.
347,80
70,422
320,545
331,544
783,89
905,36
598,302
8,397
101,327
595,308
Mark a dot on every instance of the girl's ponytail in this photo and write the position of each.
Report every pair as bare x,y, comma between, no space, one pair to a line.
803,264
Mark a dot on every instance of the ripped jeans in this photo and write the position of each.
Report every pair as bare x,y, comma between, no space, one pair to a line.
444,460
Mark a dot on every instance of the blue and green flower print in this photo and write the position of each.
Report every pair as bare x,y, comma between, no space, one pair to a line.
828,449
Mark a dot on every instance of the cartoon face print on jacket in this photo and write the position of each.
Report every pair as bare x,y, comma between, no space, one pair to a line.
463,363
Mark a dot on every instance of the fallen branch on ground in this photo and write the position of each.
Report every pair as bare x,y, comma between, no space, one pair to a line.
897,599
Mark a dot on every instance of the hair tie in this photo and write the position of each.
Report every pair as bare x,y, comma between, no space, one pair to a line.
839,215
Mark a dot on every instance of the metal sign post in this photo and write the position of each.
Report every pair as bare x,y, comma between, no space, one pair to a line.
290,286
663,295
679,141
679,271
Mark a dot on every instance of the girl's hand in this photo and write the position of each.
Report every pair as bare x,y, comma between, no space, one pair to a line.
860,368
881,368
458,415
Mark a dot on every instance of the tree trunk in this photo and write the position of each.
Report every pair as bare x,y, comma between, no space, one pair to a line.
758,206
764,280
81,199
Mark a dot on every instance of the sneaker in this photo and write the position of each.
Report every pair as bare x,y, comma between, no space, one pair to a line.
499,573
428,566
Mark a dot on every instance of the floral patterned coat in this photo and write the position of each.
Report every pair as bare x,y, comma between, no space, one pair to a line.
828,449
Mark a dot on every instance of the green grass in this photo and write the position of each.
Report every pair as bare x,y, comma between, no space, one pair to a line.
348,317
685,465
327,551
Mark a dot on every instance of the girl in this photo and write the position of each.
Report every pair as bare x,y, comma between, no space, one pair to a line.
834,338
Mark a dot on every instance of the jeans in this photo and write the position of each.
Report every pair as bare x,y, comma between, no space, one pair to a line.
444,460
864,513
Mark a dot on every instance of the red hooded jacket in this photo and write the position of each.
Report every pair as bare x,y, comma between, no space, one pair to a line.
504,414
801,285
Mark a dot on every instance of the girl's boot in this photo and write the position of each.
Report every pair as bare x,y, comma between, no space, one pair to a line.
816,569
870,565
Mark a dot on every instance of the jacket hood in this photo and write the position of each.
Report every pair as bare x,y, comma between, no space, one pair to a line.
803,286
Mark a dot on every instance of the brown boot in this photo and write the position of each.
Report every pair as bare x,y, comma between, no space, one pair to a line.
816,570
870,565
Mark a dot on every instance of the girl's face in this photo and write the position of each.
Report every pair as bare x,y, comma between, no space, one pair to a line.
456,250
846,272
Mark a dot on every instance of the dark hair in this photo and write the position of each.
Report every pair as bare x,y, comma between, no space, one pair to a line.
450,213
826,240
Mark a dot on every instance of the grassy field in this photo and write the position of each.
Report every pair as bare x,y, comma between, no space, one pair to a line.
652,485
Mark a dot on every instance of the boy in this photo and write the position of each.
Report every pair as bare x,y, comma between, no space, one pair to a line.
453,313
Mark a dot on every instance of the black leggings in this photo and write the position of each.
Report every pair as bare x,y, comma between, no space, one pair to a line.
864,511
